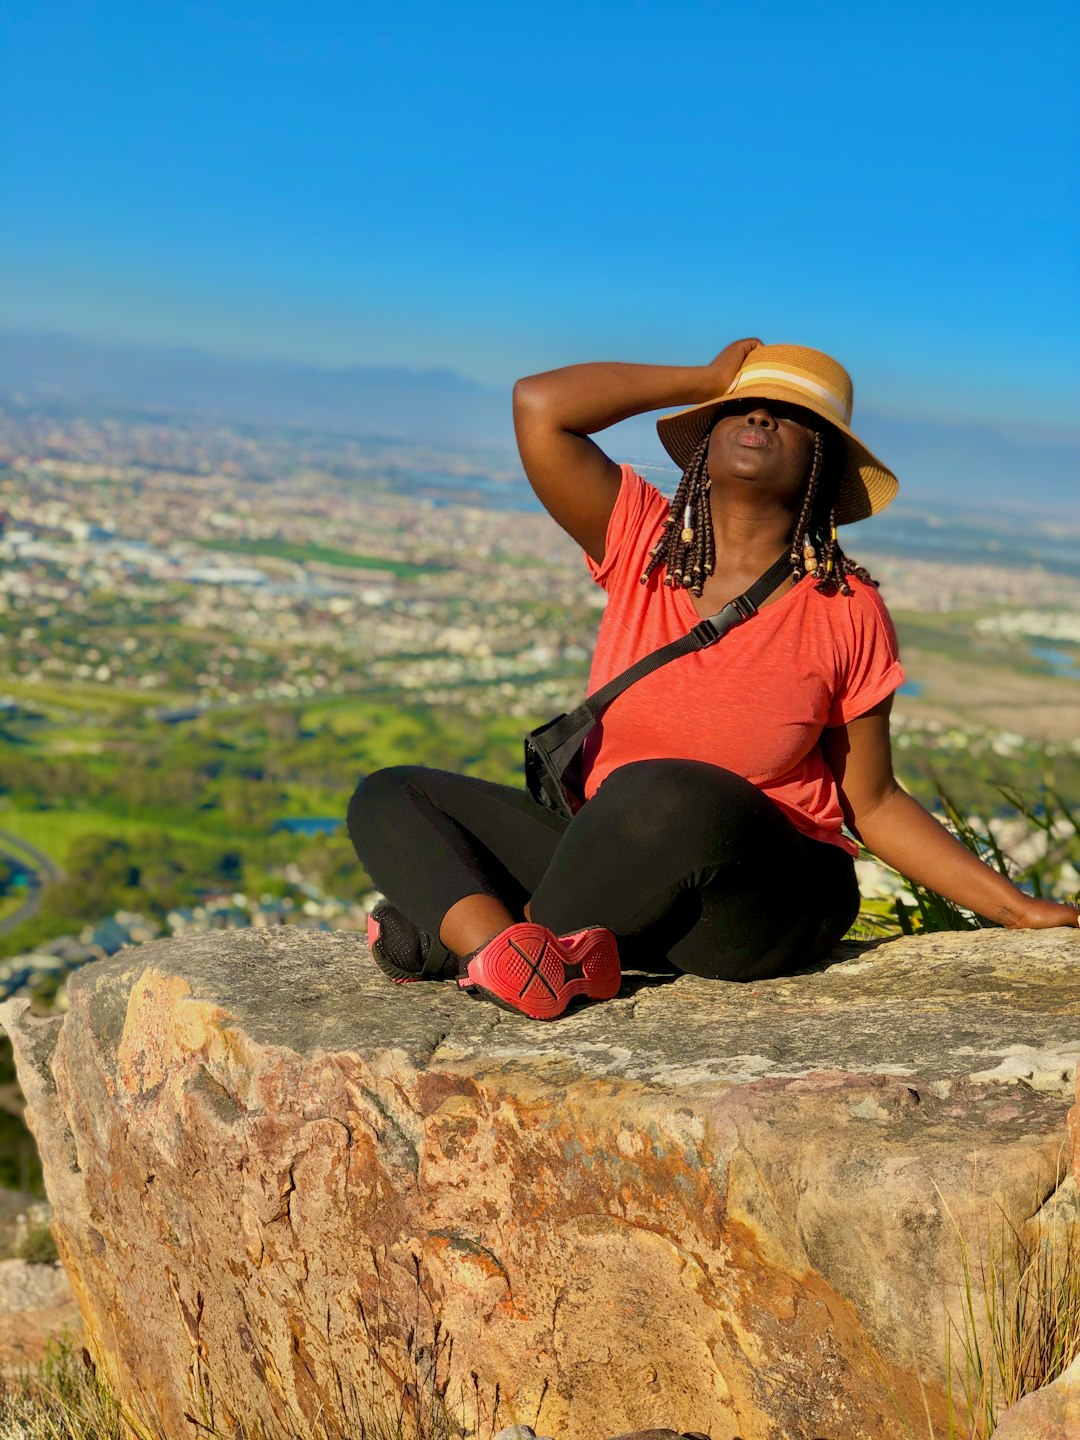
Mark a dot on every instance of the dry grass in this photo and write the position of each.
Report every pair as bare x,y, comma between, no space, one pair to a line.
64,1399
404,1394
61,1399
1019,1327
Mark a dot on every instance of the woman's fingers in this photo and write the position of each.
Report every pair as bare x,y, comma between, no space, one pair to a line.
1043,915
730,361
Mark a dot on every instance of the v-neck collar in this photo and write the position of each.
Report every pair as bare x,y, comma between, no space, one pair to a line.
686,600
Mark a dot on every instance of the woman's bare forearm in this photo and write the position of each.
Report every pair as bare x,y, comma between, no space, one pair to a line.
587,398
906,836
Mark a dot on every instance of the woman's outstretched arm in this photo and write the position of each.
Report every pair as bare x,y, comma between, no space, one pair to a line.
556,412
898,830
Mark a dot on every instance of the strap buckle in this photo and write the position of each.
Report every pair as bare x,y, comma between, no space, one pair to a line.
705,632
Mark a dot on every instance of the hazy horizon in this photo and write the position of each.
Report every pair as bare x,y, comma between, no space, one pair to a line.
963,463
1066,432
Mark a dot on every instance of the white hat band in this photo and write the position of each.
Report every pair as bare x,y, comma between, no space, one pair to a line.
750,375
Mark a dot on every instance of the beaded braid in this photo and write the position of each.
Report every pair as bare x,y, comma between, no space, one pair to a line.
688,550
817,521
803,556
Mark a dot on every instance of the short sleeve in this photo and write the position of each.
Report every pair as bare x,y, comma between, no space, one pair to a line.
869,655
638,505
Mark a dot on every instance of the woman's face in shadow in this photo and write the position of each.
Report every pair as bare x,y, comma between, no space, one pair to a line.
765,449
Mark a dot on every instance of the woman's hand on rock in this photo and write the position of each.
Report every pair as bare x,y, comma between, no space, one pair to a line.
1032,914
728,363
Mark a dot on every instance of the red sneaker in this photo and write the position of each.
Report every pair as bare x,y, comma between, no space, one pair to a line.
527,967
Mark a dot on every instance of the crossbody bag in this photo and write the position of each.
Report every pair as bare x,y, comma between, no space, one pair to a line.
553,751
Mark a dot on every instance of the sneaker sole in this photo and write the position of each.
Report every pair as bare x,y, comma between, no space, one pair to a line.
527,972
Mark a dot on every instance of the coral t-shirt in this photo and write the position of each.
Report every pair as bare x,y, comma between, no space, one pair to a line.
757,700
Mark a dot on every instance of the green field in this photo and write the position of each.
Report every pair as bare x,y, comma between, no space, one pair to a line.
55,831
10,903
154,815
83,696
319,554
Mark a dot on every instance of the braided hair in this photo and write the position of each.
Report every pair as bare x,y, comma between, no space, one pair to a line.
687,546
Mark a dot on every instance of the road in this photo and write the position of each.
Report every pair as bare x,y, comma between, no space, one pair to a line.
42,869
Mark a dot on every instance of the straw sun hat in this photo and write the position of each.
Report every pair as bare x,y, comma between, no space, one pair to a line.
814,382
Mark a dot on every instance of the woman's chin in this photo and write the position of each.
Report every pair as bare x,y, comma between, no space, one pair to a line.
744,470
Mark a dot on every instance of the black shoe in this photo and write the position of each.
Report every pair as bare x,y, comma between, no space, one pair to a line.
404,953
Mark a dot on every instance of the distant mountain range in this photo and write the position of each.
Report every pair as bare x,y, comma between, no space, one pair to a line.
421,405
966,465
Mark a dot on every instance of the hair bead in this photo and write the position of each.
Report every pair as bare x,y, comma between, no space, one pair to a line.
816,529
682,547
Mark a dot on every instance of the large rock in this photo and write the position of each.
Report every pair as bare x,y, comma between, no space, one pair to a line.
731,1209
36,1306
1052,1413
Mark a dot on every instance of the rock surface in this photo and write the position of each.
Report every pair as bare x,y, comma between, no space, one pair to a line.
729,1209
36,1304
1074,1130
15,1205
1052,1413
526,1432
24,1286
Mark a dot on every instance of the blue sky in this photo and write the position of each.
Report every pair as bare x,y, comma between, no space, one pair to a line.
499,188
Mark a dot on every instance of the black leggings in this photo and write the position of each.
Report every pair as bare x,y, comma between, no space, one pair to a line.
685,862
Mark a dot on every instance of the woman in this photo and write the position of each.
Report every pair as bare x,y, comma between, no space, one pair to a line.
716,787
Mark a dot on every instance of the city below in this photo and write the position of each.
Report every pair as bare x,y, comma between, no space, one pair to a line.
211,630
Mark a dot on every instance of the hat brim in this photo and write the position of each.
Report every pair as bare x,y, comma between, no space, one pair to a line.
866,485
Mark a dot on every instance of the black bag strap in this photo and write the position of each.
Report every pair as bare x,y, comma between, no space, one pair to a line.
706,632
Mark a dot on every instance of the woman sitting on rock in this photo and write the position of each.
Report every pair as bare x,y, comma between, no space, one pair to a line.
716,788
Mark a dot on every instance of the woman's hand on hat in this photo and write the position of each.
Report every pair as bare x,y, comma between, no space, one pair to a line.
729,362
1032,914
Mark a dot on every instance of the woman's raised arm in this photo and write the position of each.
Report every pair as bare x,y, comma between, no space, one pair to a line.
556,412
